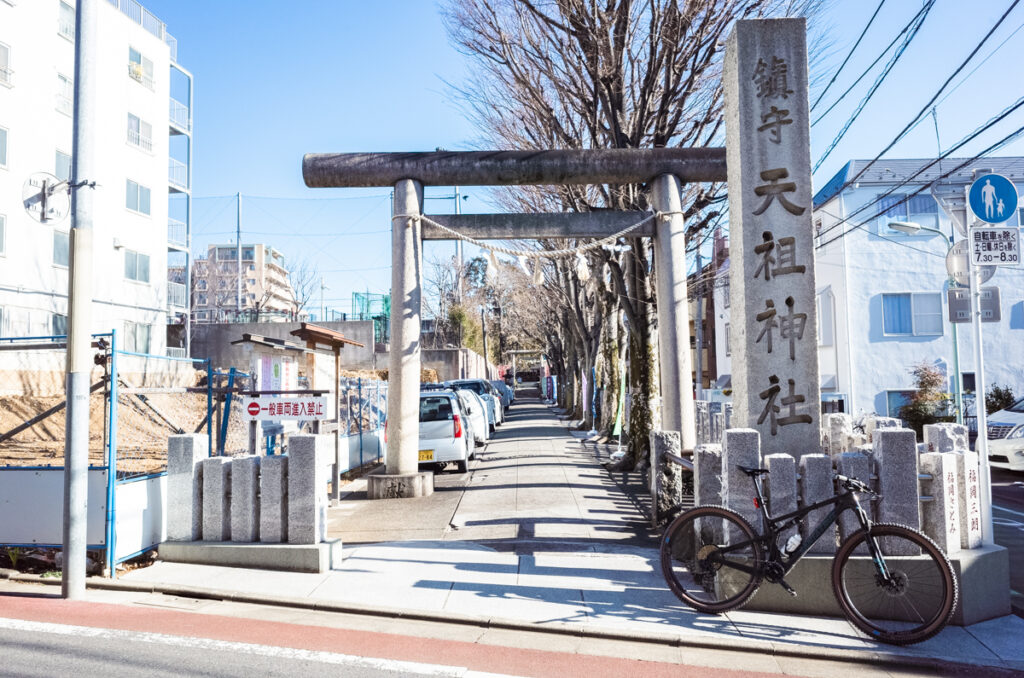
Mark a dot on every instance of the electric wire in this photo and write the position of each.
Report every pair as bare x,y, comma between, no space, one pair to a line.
871,65
850,54
878,82
920,115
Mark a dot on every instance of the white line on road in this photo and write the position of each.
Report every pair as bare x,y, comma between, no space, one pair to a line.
1016,513
411,668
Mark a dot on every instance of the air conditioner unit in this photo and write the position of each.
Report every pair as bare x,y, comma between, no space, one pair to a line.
136,70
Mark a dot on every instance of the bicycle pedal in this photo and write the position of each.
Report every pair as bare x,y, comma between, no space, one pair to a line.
789,589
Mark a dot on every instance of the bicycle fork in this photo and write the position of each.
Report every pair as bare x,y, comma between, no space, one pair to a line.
882,574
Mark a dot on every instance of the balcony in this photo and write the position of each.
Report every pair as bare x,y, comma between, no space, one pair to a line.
136,139
65,104
66,29
177,233
177,174
176,352
180,116
176,295
137,73
6,77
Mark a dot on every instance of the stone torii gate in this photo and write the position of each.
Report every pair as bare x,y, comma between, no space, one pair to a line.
766,63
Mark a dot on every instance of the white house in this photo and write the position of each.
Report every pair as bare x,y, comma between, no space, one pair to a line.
142,204
882,292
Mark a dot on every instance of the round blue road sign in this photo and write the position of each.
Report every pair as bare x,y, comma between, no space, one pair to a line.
993,198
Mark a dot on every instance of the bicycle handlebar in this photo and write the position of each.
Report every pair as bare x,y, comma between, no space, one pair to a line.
852,484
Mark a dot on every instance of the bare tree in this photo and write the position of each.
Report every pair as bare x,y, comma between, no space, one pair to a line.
603,74
304,278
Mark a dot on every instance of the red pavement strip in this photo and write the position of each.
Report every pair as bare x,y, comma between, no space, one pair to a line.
474,656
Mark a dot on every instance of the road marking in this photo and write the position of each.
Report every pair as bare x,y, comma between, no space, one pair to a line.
1016,513
402,667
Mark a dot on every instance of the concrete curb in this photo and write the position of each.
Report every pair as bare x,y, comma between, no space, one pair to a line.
739,644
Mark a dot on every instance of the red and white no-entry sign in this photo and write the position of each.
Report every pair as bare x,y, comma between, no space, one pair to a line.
267,408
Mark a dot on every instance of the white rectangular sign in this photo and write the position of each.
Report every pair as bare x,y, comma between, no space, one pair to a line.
995,246
266,408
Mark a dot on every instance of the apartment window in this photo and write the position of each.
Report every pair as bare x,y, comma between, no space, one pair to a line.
136,337
61,248
896,399
62,165
201,299
136,266
226,253
140,133
967,382
140,68
918,314
251,281
6,74
919,209
201,284
3,234
825,318
248,254
3,147
66,21
65,94
222,283
136,197
58,324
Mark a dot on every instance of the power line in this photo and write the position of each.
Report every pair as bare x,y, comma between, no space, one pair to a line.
847,59
1002,142
878,82
970,137
872,65
923,111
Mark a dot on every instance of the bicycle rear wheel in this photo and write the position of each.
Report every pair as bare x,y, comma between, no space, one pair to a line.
914,604
711,559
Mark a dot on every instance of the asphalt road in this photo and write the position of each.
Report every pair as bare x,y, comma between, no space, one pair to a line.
1008,521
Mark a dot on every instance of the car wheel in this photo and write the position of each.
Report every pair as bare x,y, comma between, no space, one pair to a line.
439,467
462,465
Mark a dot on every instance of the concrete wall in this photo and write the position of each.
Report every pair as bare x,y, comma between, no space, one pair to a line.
214,341
458,363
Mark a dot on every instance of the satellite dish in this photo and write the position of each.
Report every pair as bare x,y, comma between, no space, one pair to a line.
46,198
958,269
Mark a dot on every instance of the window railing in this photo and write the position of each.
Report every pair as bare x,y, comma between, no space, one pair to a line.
137,73
66,28
65,104
177,173
177,232
6,77
136,139
176,352
176,295
172,44
179,114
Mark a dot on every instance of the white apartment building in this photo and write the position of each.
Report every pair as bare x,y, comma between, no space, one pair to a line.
266,292
142,202
882,293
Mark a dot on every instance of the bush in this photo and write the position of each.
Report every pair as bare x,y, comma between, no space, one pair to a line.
998,398
929,403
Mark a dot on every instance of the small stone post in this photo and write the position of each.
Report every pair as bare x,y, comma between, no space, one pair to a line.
854,465
274,499
782,490
245,498
707,475
217,499
184,486
946,437
941,516
741,447
307,487
896,458
969,494
816,485
668,479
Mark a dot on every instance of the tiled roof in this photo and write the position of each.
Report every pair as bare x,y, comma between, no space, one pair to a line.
895,170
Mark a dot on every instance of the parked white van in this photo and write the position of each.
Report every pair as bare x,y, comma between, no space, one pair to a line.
1006,437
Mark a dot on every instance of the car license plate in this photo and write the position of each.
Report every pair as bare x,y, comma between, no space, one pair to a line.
426,455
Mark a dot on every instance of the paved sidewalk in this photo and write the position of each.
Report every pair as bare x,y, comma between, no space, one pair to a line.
539,536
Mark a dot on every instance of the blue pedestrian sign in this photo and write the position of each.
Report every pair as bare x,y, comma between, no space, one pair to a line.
993,198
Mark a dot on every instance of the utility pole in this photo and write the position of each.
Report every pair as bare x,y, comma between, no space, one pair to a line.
458,246
238,253
483,324
79,360
323,313
700,329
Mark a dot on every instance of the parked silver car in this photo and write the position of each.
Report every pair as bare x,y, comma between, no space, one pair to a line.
476,415
443,436
483,389
508,396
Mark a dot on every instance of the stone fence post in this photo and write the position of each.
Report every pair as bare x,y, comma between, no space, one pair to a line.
184,485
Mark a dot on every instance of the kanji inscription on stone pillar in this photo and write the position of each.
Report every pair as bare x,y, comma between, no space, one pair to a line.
773,341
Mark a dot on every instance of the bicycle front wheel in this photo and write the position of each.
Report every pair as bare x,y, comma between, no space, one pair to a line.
913,603
711,559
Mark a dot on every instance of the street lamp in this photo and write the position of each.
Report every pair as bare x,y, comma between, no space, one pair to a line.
912,228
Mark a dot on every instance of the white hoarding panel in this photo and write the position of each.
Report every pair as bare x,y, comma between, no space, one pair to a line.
32,506
141,519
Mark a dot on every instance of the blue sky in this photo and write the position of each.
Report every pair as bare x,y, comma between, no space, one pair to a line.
274,81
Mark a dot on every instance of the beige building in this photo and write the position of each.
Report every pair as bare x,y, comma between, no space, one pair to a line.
266,293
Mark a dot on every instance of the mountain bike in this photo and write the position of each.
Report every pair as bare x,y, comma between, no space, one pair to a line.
892,582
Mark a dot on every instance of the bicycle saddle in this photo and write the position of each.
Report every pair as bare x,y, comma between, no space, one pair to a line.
754,472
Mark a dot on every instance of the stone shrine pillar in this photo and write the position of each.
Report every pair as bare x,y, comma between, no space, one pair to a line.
776,390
